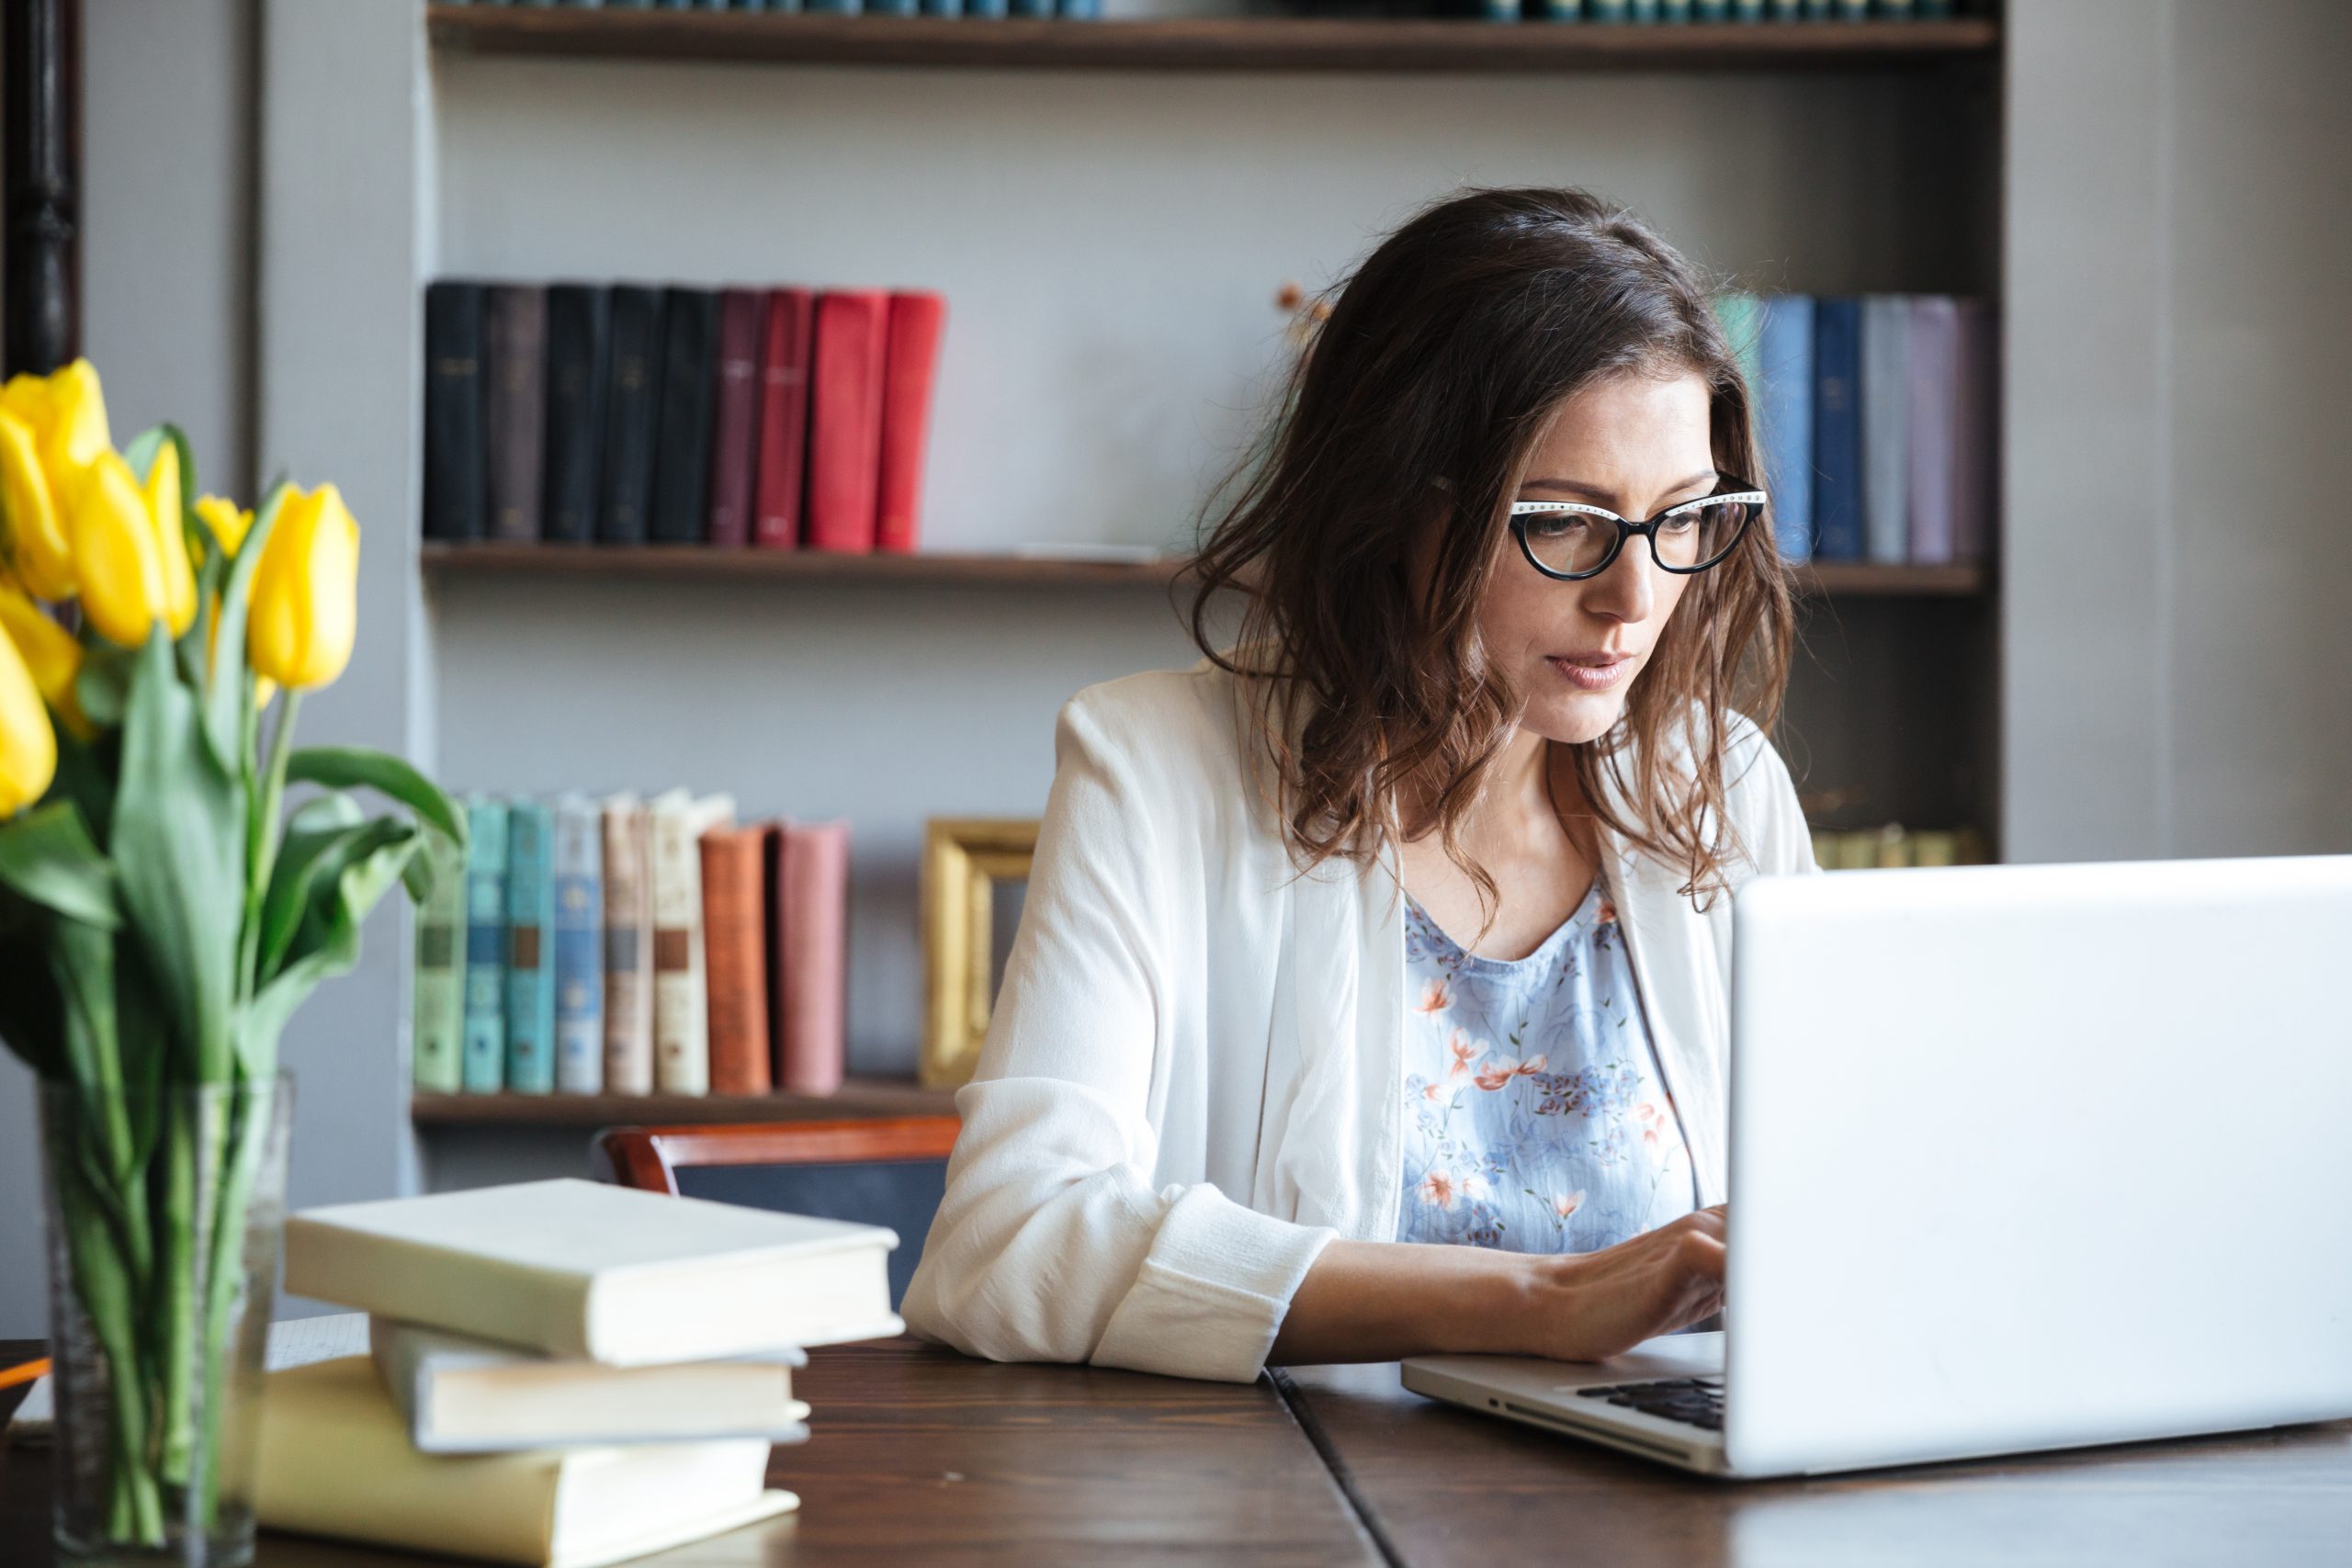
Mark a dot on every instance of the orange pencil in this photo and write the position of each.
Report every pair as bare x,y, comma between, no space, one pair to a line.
12,1376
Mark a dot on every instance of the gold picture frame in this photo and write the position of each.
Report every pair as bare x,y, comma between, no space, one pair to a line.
963,859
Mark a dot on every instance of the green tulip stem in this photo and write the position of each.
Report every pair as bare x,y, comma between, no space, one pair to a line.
262,837
251,1115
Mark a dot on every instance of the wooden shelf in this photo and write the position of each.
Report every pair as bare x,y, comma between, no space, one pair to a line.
858,1097
1203,43
701,562
705,562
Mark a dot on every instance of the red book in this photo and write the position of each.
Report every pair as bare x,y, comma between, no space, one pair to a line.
734,418
784,417
808,944
735,958
909,362
845,418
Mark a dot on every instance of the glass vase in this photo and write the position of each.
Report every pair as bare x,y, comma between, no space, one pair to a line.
166,1208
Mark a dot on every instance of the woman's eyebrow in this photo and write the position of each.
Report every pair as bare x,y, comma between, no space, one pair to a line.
1607,498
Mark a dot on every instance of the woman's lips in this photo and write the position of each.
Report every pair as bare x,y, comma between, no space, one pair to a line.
1591,672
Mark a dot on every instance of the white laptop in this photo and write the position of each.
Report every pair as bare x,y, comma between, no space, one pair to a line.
2021,1157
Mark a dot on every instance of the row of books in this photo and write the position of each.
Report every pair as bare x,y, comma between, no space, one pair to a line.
624,946
1891,844
1072,10
629,414
1722,10
1878,418
552,1372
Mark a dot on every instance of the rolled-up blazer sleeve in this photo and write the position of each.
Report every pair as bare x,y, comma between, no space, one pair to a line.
1053,1242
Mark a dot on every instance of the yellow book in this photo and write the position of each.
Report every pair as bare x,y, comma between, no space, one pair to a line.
335,1460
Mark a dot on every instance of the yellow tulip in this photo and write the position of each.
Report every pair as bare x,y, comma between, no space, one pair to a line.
77,430
32,534
48,651
305,609
28,744
126,581
228,522
171,537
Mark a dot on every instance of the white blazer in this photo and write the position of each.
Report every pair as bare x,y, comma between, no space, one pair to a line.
1192,1077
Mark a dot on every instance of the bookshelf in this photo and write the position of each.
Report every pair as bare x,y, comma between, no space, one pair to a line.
856,1098
1189,165
699,563
1217,43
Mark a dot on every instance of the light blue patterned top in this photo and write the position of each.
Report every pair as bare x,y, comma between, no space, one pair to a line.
1536,1119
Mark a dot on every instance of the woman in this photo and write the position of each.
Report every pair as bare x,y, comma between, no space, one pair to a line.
1404,921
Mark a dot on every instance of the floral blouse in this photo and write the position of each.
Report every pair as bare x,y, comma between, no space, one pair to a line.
1535,1116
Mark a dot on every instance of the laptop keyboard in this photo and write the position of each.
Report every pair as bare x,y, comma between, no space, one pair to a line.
1698,1401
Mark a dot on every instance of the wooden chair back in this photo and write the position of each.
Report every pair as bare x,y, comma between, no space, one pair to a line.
878,1170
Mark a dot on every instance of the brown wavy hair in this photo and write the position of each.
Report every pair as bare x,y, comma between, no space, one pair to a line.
1416,406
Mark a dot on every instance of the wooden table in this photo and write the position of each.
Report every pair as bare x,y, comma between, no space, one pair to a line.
920,1456
1440,1486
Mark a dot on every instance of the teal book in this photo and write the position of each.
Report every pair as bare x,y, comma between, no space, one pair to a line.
530,959
1742,316
437,1029
485,1042
1605,10
579,945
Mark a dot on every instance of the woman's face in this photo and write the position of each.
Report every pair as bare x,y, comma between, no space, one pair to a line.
1636,444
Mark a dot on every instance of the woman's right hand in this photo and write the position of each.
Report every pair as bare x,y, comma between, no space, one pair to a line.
1594,1304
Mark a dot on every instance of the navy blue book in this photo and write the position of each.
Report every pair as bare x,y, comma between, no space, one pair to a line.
632,404
681,508
1838,429
455,475
576,419
530,947
1784,416
484,1065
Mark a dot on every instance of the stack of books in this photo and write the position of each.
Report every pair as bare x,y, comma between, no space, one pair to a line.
1067,10
580,413
1877,420
559,1373
624,947
1891,844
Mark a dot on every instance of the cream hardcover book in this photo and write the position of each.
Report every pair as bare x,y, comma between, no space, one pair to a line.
467,1395
335,1460
608,1274
680,984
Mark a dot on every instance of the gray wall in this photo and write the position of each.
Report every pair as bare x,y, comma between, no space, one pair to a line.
2176,561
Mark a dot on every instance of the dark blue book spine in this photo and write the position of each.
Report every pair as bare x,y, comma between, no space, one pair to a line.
889,7
1032,8
1838,429
1784,413
457,484
577,313
834,7
1079,10
942,8
681,509
530,968
485,1038
632,411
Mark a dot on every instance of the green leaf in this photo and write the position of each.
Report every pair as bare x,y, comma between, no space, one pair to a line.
103,687
325,948
179,853
302,888
346,767
229,691
32,1021
47,856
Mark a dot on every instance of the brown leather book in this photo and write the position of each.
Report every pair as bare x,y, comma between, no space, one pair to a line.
808,944
628,949
734,931
735,421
